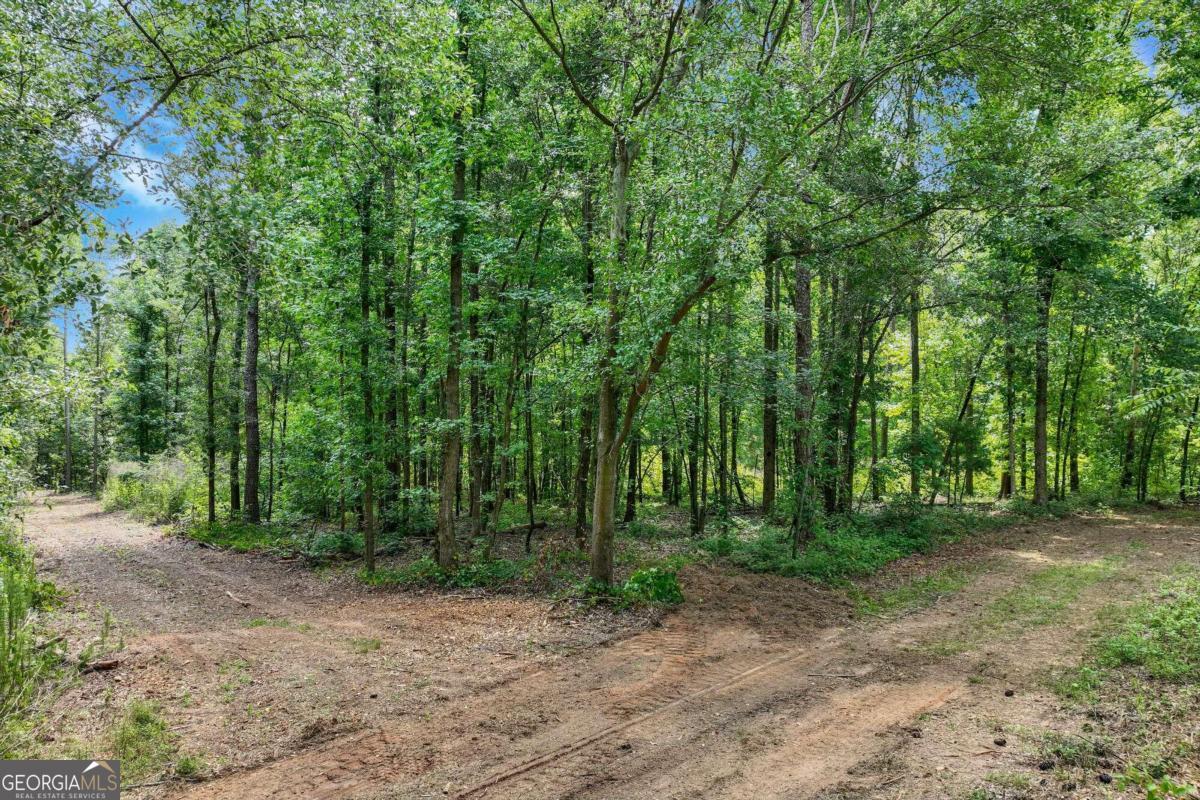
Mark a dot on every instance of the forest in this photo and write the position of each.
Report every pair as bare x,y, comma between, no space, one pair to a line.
575,301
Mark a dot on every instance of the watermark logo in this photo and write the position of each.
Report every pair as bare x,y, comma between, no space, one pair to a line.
60,780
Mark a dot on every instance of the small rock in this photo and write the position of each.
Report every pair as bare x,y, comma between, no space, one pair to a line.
373,695
1105,777
625,746
1046,765
1000,741
1009,693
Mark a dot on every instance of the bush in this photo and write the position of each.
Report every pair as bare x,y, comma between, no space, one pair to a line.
155,492
23,664
653,585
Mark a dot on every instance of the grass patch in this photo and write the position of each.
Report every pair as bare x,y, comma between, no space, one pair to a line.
156,492
1044,596
1009,780
143,741
190,766
1161,636
918,593
478,573
366,645
1140,684
271,622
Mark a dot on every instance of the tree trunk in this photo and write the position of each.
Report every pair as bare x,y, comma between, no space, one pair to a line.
914,344
235,413
1129,455
770,412
586,434
68,477
1045,289
607,447
1187,439
368,390
212,326
1010,410
250,510
530,481
96,404
631,479
803,410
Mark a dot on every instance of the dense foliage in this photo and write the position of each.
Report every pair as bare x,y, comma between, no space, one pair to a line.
449,266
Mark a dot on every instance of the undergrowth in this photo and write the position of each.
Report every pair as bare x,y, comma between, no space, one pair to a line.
27,659
1140,683
839,549
651,584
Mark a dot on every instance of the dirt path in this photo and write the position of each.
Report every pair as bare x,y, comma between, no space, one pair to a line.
298,684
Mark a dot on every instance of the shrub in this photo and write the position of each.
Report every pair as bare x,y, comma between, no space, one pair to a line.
23,664
653,585
155,492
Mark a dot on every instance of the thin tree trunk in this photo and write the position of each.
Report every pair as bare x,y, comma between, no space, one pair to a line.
67,465
1045,289
96,404
914,344
212,326
368,389
770,412
1008,474
631,479
1072,447
803,409
452,439
250,510
530,484
1187,439
235,412
1130,426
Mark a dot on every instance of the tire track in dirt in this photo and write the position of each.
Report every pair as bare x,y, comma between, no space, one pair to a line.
755,688
562,761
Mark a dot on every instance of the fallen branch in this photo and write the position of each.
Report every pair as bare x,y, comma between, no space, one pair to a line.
49,643
101,666
236,599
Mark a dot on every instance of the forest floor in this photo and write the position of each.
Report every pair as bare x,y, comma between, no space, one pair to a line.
261,678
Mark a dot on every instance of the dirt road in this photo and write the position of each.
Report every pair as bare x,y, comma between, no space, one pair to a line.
292,683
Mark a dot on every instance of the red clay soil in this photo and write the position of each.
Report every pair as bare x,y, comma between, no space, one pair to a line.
292,683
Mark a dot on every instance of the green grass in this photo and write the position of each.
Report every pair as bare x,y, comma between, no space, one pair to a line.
1042,598
157,491
1161,636
143,742
1045,595
272,622
1141,678
918,593
25,664
655,582
365,645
